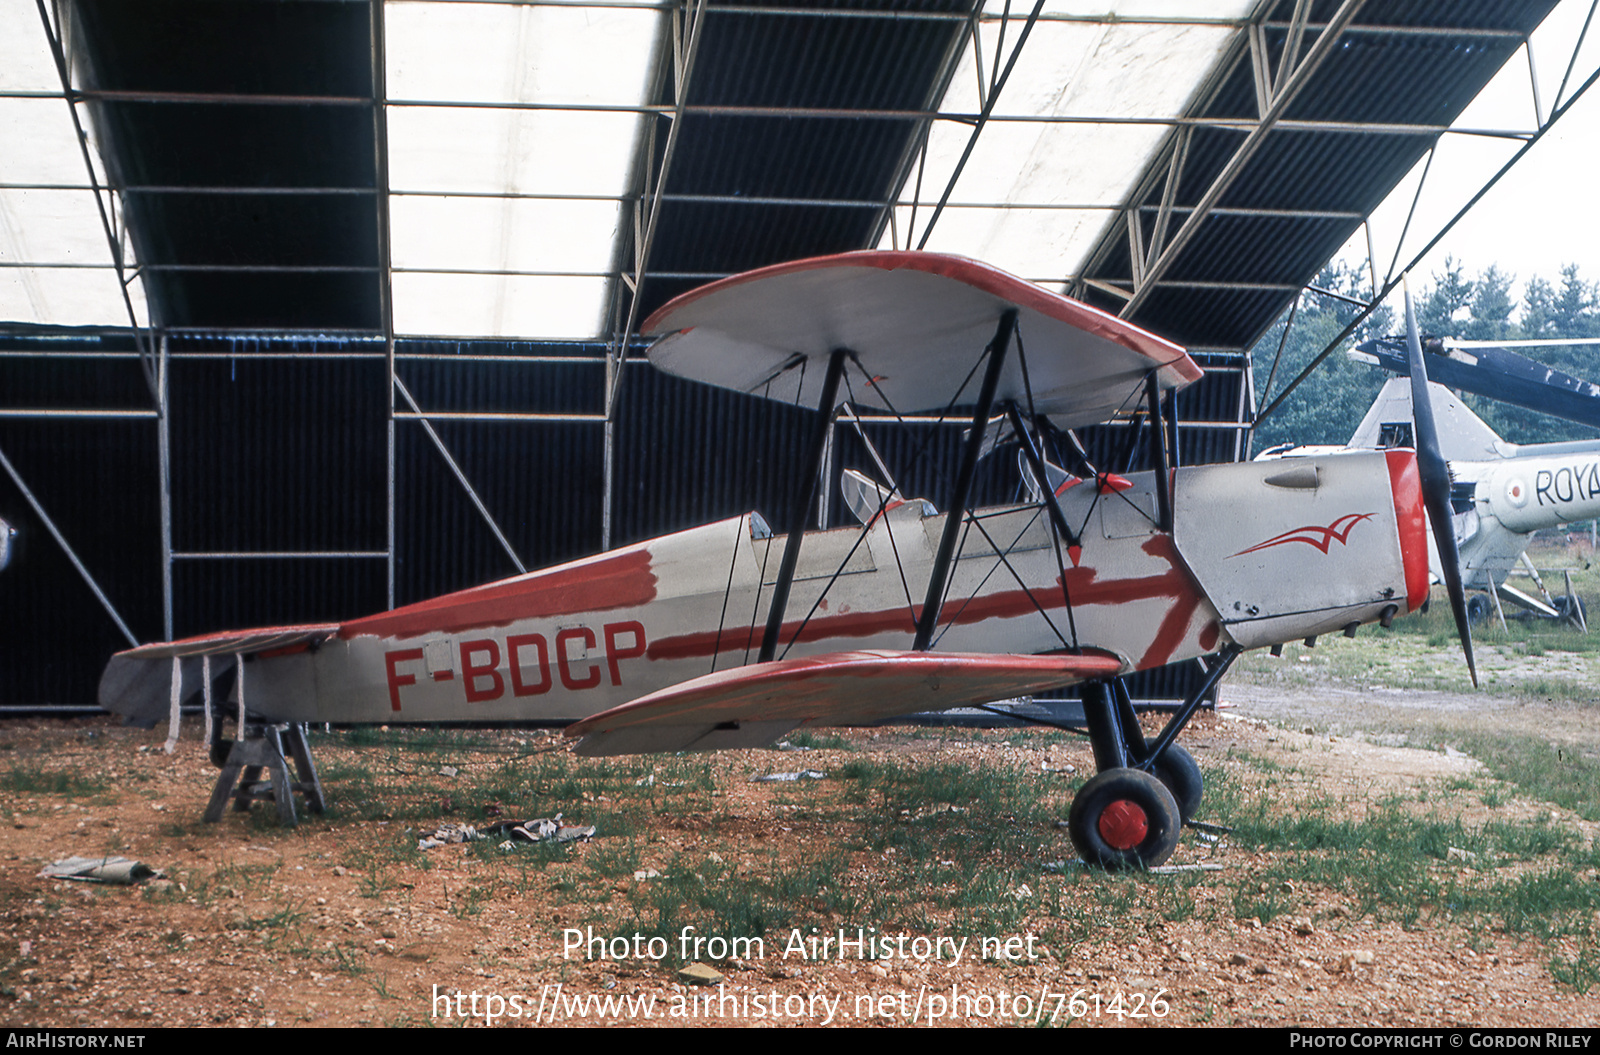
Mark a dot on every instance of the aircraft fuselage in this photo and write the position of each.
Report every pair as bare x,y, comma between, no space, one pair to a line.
1257,554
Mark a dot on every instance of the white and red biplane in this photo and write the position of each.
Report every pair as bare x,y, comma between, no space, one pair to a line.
727,636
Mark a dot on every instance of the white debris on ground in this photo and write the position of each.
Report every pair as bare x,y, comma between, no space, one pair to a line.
777,778
538,830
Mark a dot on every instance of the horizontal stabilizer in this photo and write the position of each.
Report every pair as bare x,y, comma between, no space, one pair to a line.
141,689
231,642
753,705
137,683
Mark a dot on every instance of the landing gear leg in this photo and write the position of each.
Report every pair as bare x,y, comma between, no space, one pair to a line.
1119,819
1124,817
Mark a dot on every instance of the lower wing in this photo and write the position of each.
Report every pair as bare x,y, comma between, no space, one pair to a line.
754,705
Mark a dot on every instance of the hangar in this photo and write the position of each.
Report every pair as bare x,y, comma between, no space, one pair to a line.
312,307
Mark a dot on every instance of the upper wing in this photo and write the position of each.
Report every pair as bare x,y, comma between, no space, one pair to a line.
754,705
917,323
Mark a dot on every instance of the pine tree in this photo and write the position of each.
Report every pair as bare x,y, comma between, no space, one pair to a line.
1328,406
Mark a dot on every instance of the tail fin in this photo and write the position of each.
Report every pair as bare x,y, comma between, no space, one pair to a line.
1463,436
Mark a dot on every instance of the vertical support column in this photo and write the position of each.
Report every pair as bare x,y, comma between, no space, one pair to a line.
969,465
380,174
805,495
164,461
686,25
607,457
389,488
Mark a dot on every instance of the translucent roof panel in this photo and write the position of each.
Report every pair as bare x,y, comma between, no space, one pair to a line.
43,221
553,94
494,52
25,61
66,297
498,305
567,242
508,234
1074,128
510,151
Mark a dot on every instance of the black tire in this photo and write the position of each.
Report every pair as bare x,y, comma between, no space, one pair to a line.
1125,818
1565,610
1479,608
1177,769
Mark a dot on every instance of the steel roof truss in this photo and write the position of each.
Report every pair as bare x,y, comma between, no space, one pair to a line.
1283,94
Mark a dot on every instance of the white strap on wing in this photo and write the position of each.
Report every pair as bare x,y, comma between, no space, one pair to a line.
238,690
205,679
172,712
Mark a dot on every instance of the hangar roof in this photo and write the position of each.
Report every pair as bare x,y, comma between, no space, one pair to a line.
557,169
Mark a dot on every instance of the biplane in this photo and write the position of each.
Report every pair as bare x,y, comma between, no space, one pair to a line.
729,635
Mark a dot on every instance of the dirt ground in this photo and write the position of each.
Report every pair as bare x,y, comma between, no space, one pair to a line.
342,922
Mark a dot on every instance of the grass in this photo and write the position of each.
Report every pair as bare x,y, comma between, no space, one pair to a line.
1579,973
929,845
1418,865
468,901
819,740
920,842
33,780
284,918
1566,775
926,845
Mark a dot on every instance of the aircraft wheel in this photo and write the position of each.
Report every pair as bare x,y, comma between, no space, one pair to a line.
1479,608
1566,610
1124,818
1178,770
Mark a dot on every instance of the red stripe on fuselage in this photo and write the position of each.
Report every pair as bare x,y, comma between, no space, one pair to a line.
622,581
1186,598
1082,585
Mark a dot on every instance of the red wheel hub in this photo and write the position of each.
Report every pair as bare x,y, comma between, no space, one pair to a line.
1123,825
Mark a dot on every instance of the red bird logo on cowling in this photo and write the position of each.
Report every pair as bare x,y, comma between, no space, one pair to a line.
1313,534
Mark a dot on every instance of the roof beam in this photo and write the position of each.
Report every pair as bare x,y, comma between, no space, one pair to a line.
785,112
1379,29
1284,93
146,354
977,129
1394,279
704,199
